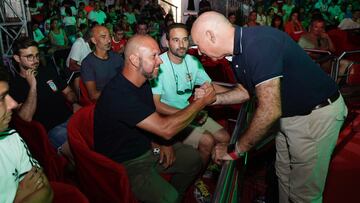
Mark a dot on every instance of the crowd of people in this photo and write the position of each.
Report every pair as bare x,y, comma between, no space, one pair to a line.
132,58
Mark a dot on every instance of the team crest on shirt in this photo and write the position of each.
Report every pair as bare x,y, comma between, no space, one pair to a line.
52,85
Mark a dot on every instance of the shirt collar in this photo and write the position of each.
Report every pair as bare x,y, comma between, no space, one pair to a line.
238,40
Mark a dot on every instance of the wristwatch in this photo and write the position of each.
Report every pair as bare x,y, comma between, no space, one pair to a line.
234,151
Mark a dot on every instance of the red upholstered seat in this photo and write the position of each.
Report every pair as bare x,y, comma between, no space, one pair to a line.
353,77
67,193
84,99
100,178
36,138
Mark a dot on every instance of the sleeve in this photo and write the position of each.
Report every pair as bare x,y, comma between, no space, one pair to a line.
264,59
26,161
201,76
127,110
157,83
75,51
87,70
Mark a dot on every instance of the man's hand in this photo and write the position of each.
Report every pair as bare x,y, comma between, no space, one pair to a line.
200,118
220,153
33,181
206,92
167,156
30,77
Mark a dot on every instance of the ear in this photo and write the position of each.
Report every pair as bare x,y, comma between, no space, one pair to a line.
210,36
167,43
17,58
93,40
134,60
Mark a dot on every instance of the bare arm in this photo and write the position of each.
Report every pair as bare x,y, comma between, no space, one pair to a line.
34,188
27,109
225,95
94,94
267,112
168,126
69,95
162,107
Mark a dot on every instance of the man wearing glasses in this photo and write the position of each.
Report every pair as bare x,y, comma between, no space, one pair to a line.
40,92
178,75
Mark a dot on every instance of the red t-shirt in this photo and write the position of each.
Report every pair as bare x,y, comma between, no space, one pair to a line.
116,46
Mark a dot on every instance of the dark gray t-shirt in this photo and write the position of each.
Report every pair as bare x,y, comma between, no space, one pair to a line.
99,70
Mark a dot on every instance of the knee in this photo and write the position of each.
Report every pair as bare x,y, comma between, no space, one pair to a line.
222,136
206,142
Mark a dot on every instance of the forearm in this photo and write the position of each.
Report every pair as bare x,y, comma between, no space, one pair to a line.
165,109
71,97
268,111
28,108
94,95
43,195
234,96
260,124
176,122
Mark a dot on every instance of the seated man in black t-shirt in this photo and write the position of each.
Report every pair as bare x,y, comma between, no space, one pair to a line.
43,96
126,124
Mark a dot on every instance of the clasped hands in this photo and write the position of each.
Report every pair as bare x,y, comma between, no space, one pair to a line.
205,91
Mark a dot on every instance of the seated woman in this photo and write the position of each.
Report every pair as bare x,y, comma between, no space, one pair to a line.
318,39
293,27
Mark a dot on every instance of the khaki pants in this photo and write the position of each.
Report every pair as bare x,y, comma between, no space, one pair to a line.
304,146
149,186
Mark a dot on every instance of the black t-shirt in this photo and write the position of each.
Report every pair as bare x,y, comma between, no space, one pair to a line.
51,108
120,107
262,53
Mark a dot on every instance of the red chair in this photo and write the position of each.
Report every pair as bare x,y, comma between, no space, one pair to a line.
36,138
67,193
353,76
84,98
100,178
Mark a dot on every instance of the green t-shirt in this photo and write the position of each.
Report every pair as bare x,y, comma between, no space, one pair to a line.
165,84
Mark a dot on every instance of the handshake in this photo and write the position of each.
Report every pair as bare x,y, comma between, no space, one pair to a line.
206,93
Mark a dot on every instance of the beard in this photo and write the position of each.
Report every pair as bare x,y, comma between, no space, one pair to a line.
177,53
147,75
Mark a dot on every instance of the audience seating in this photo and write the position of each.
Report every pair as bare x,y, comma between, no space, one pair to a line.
67,193
84,99
342,184
35,136
100,178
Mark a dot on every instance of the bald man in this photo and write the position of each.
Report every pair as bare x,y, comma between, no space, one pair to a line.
292,92
127,127
101,65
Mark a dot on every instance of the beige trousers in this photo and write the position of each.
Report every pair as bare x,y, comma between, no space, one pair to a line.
304,146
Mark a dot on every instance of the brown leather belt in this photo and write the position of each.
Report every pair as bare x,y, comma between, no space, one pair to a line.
328,101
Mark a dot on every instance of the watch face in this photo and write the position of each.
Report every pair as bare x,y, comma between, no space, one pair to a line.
231,148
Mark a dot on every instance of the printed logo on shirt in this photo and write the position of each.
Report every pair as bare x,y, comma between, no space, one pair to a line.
52,85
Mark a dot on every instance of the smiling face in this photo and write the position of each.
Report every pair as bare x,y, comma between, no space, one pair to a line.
149,60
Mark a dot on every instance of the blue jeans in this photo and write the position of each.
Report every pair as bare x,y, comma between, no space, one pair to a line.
58,135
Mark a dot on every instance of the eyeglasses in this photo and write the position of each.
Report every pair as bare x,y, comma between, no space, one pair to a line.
31,57
188,78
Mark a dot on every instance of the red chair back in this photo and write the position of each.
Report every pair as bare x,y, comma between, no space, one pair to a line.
100,178
353,77
84,98
36,138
